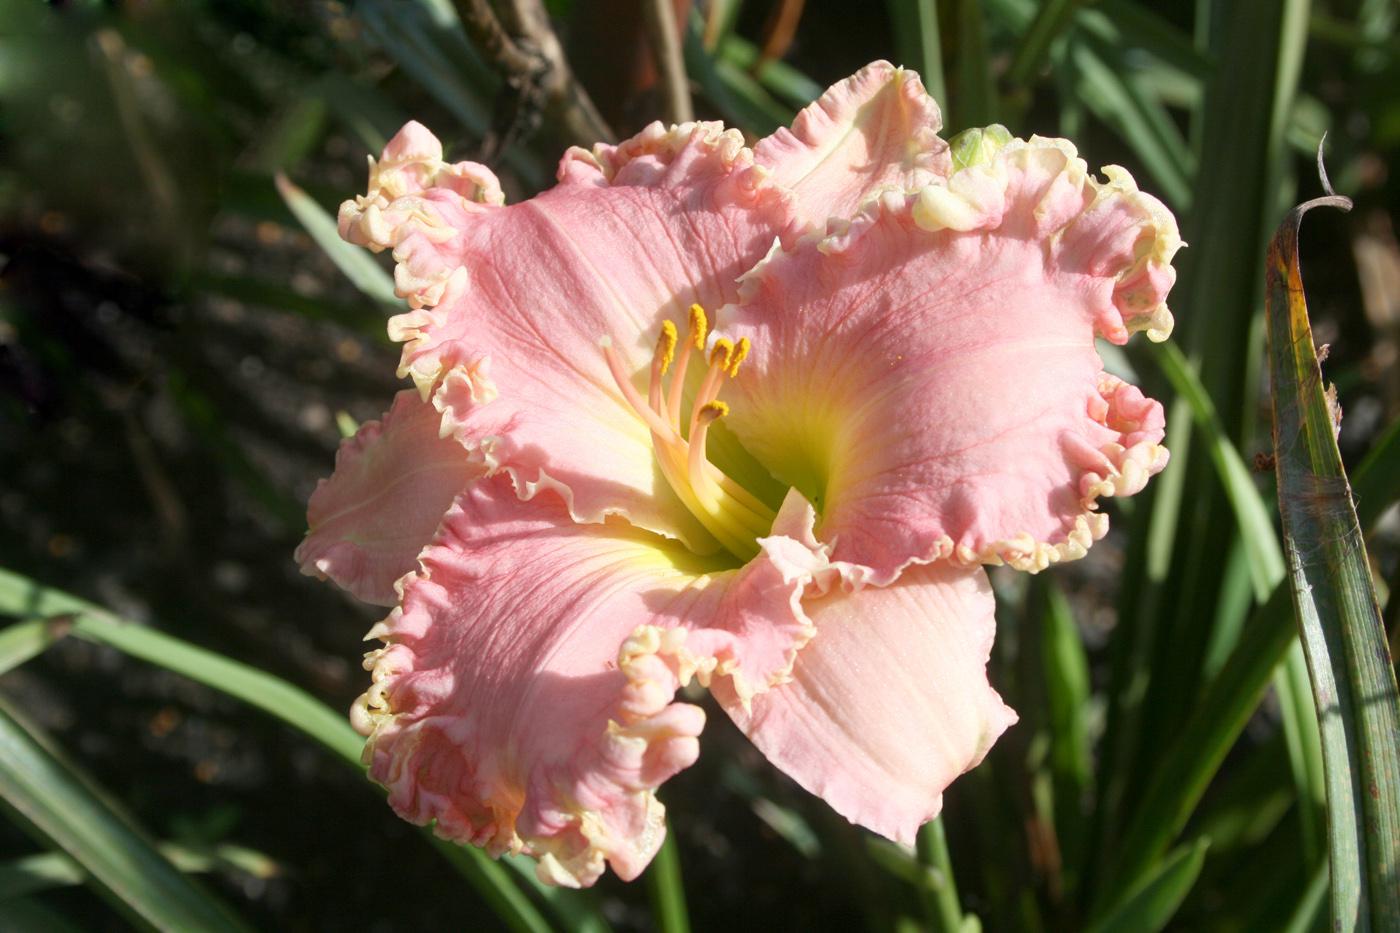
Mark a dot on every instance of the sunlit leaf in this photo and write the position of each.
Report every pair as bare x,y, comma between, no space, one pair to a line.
59,805
1349,660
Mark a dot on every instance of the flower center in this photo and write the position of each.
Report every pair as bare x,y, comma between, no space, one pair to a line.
729,512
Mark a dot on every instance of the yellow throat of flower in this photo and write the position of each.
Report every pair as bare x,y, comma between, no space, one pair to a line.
734,516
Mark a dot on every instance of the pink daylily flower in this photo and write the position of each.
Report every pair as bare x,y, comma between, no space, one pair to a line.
751,417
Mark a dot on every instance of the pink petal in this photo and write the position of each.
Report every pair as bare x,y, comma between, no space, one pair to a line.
938,394
524,700
514,300
889,702
875,131
414,205
393,482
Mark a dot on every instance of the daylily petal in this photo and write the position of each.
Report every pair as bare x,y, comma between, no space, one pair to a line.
875,131
521,295
929,377
889,702
524,698
414,205
393,482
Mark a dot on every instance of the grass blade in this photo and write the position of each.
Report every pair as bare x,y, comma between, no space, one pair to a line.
1255,521
25,640
794,87
46,870
918,44
1110,90
60,806
1053,17
976,96
358,264
26,915
1343,636
1153,904
1067,690
1194,757
1376,482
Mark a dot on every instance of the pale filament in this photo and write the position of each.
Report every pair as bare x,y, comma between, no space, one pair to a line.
733,515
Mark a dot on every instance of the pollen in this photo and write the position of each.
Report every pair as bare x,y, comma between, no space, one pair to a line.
741,352
699,327
712,410
666,346
722,354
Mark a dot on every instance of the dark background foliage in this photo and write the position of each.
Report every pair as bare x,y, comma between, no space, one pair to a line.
177,358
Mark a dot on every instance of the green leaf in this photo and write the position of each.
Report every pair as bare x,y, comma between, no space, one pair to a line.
1194,756
1307,915
1124,23
26,915
45,870
425,38
358,265
1067,683
1298,716
59,805
1376,482
918,44
1251,513
738,96
794,87
976,103
25,640
1345,641
1051,19
1152,905
1112,92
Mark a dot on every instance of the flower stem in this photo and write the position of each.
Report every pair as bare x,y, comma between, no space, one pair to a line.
940,893
667,890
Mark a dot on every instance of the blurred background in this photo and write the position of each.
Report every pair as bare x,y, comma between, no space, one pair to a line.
182,346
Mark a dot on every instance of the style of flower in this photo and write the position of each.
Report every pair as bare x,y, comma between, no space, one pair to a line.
752,417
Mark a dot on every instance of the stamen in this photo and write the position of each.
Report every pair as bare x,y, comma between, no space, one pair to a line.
741,352
660,362
733,515
699,327
666,346
675,394
629,391
722,353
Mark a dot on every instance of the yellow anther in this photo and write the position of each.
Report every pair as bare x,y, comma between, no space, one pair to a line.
741,350
713,410
699,327
722,354
666,345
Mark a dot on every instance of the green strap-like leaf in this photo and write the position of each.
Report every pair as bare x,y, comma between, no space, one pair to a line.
1194,756
58,804
1152,905
1376,482
918,42
44,870
1348,658
25,640
357,264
